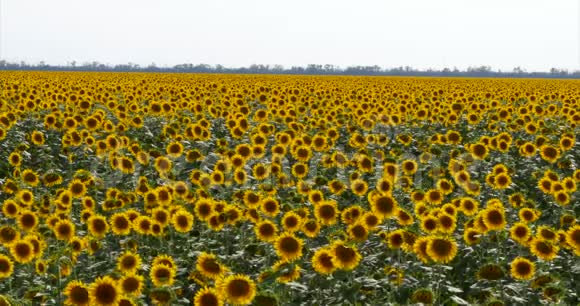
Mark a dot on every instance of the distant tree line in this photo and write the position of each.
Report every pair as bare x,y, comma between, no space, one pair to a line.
312,69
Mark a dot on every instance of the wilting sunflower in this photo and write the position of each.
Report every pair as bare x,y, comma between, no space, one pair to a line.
163,164
6,266
162,275
208,266
104,291
238,289
128,262
182,221
344,257
490,272
208,297
522,268
288,247
543,249
423,295
77,293
441,249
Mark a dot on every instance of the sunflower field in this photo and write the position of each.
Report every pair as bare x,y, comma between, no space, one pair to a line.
181,189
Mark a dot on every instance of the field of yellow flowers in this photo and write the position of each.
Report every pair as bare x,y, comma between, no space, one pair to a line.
179,189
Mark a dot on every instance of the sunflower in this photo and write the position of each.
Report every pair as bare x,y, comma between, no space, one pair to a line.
208,297
384,206
409,166
562,198
174,149
128,262
343,256
15,159
494,218
40,267
22,251
404,218
98,226
471,236
441,250
502,181
549,153
10,208
104,291
573,237
429,224
26,197
479,151
292,222
182,221
27,220
326,212
238,289
121,224
77,188
270,206
528,215
520,232
359,187
30,178
396,239
522,268
208,266
77,293
322,261
165,260
6,266
528,149
162,275
288,247
434,196
358,232
64,230
447,223
266,230
543,249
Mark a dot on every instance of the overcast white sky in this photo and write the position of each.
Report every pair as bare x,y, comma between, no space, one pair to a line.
533,34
